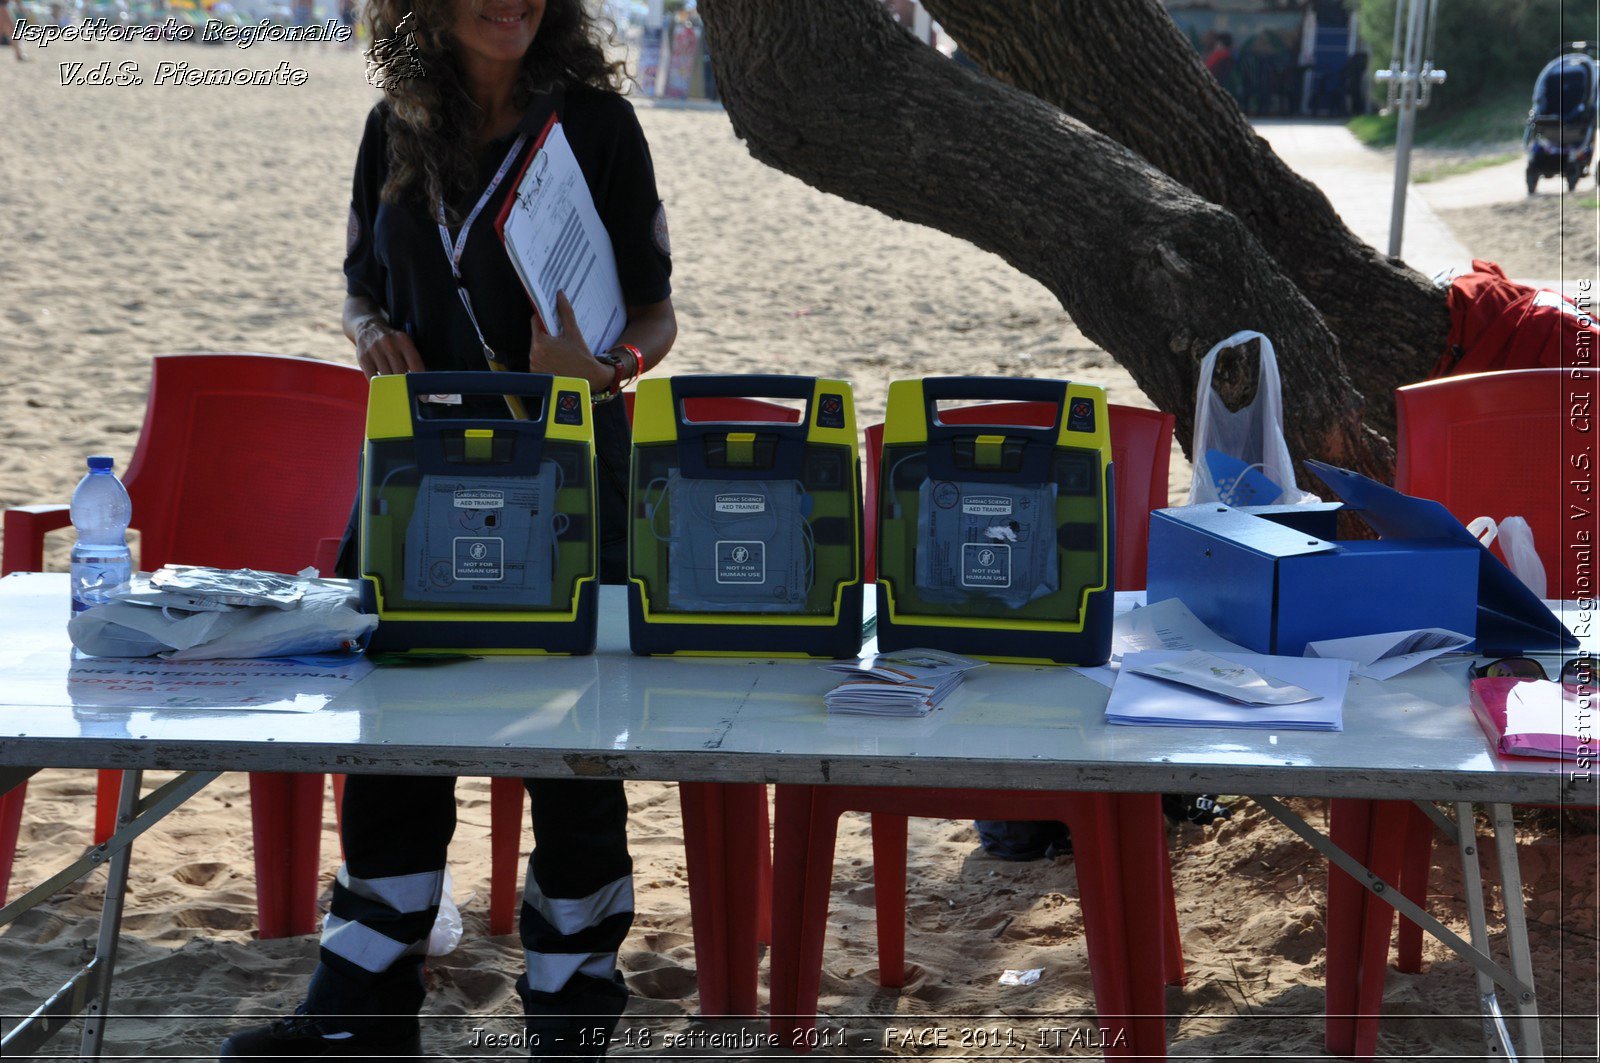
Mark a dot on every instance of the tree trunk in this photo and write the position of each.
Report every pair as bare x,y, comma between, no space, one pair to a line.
833,92
1125,69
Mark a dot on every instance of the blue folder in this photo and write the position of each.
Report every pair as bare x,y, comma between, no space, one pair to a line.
1511,618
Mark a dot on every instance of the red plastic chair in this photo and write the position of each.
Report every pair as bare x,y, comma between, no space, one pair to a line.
1140,439
244,460
807,816
726,835
1485,444
1490,444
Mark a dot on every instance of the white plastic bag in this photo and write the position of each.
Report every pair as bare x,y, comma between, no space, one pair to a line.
446,932
1240,457
325,621
1516,543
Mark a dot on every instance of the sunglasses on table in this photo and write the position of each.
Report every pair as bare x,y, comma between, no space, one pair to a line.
1576,672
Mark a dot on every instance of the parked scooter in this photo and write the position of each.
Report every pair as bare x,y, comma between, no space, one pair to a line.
1560,134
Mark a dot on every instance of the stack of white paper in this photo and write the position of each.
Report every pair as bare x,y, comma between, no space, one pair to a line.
1145,699
904,683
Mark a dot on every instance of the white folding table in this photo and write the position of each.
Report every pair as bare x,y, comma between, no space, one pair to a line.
755,721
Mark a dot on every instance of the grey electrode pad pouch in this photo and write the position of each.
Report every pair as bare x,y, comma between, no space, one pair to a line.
993,541
485,540
737,546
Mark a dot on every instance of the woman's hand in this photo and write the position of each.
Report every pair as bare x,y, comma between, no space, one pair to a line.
381,350
566,354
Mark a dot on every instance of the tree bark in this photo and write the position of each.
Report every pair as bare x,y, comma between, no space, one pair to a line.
836,94
1126,70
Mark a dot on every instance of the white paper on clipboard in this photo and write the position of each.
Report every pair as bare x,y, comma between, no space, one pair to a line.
557,243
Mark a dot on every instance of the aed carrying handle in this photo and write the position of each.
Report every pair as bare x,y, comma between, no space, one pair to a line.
1038,442
791,436
429,433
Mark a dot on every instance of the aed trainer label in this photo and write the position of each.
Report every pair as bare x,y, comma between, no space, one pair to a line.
477,498
985,565
741,503
480,559
986,505
741,562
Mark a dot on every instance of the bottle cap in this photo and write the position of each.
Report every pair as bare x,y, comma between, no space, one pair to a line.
101,463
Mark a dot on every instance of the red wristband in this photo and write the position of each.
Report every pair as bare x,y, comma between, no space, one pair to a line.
637,369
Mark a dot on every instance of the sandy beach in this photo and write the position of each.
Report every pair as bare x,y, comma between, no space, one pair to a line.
152,219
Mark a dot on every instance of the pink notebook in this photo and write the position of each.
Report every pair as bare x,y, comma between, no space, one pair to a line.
1535,718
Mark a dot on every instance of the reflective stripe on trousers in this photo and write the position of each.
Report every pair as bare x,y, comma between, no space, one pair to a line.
577,907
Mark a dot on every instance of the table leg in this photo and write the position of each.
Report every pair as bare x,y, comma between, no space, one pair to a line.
1505,841
105,951
1472,886
1366,953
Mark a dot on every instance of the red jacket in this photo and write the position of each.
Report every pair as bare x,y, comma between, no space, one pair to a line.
1496,323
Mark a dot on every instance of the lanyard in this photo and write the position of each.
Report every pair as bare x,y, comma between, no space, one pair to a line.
454,248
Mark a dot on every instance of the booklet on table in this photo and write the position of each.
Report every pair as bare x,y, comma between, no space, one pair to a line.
910,682
1533,717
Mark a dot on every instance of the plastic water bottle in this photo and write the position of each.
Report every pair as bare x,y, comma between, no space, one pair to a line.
101,510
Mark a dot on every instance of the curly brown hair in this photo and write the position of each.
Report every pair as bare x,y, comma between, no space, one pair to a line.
433,123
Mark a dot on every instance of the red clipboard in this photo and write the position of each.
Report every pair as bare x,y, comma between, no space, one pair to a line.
522,171
516,183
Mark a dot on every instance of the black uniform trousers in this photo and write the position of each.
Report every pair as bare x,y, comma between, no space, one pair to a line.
577,904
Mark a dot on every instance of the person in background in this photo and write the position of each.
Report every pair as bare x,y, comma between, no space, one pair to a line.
1355,84
8,29
1219,60
468,86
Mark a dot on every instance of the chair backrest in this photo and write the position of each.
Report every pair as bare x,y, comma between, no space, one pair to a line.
1141,453
1490,445
245,460
731,409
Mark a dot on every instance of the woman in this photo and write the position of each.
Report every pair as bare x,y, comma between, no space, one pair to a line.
468,85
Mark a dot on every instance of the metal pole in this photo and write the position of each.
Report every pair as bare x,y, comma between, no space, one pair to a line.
1472,884
1395,54
1505,843
1409,73
105,951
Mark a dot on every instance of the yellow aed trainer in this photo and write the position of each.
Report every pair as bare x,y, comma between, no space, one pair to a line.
744,519
995,537
478,533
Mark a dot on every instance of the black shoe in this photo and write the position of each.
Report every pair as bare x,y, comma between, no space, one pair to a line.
301,1036
575,1024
